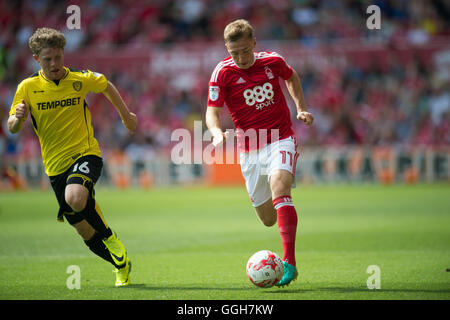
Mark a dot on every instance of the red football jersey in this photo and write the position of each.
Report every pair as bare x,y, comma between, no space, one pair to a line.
254,98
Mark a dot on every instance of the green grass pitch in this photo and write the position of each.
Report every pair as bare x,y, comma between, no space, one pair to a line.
193,243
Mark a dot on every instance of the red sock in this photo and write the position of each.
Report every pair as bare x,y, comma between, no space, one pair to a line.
287,224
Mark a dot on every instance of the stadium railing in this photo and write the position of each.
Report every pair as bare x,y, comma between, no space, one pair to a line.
316,165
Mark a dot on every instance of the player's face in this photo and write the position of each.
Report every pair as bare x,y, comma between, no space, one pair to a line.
242,52
51,61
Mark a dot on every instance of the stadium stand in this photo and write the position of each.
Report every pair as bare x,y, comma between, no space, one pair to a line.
365,87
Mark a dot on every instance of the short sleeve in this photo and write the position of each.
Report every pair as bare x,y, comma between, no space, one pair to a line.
18,96
216,94
284,69
95,82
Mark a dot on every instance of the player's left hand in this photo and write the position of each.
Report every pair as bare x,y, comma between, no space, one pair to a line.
130,122
306,117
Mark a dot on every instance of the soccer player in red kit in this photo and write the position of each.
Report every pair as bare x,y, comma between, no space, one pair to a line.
248,83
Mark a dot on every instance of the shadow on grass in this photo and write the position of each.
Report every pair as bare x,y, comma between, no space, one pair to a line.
274,290
361,289
142,286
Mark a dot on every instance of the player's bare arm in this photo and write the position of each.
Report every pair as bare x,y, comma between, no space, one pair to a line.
213,124
16,121
129,119
295,90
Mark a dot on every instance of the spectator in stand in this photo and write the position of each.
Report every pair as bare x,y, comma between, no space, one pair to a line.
343,94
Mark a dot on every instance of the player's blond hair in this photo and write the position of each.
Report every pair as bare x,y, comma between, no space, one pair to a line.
46,38
237,30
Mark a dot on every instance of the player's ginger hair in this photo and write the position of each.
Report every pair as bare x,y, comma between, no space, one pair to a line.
238,29
46,38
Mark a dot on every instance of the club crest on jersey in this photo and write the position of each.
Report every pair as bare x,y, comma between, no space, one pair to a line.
214,93
269,73
77,85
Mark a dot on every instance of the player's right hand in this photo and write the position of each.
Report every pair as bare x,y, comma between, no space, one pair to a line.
21,111
218,139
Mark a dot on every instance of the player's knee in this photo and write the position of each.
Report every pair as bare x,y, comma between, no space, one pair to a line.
269,222
280,185
281,189
76,196
267,214
76,201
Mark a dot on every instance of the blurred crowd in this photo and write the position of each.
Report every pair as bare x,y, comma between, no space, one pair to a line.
403,102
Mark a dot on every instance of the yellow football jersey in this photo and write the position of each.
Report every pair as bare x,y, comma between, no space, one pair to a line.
60,115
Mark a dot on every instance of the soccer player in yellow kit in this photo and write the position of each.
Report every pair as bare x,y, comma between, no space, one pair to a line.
55,99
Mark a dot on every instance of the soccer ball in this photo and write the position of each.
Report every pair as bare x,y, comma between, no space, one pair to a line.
265,269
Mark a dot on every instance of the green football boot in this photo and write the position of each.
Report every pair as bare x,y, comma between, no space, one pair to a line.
290,274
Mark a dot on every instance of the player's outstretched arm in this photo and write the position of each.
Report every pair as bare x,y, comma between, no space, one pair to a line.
16,121
212,119
129,119
295,90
